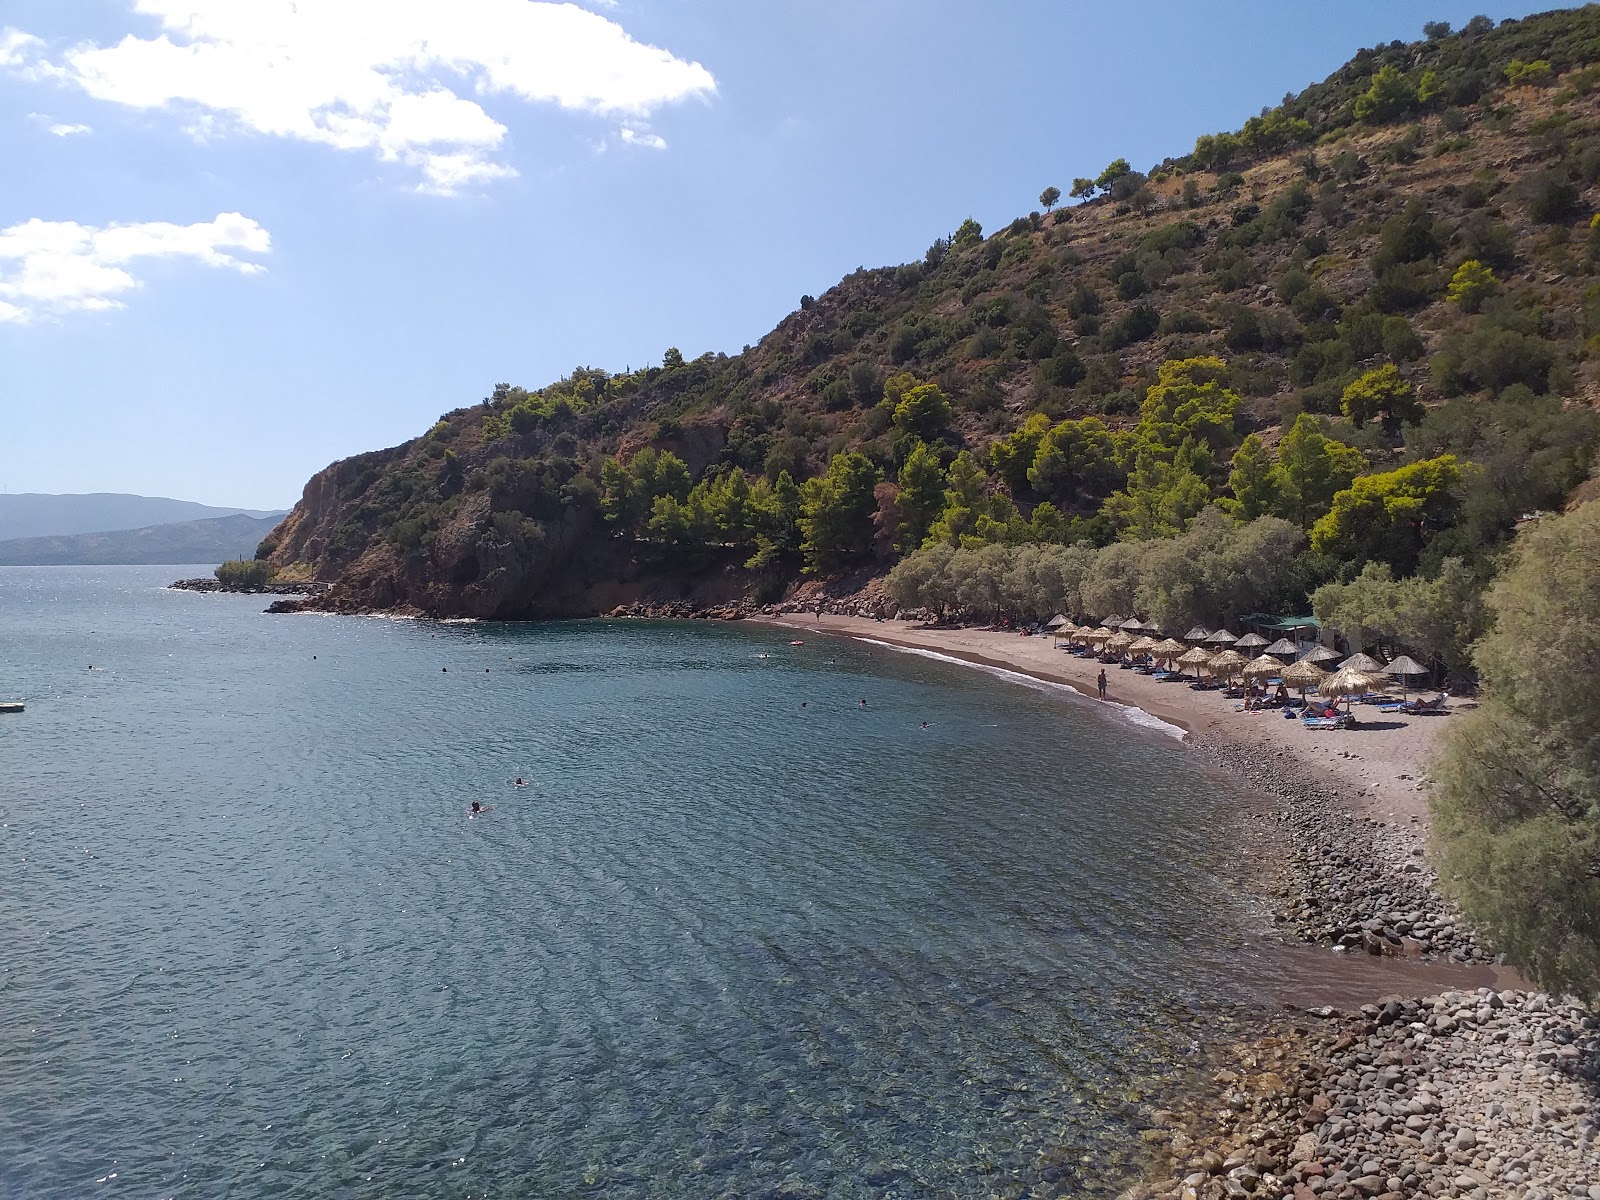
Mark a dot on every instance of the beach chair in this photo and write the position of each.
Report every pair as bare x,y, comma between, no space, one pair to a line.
1436,705
1397,706
1325,722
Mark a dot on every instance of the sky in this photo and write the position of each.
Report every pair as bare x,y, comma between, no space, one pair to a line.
239,241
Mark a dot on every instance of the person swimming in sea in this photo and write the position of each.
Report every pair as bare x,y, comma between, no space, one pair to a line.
477,808
519,782
924,724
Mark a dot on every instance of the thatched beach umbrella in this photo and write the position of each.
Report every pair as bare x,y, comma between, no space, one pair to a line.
1221,638
1228,663
1362,662
1303,675
1198,634
1403,668
1057,621
1350,681
1283,647
1118,643
1264,667
1250,641
1112,623
1169,649
1319,654
1143,645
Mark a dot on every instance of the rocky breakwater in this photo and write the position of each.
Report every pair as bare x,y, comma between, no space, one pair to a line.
304,587
1351,882
680,610
1477,1094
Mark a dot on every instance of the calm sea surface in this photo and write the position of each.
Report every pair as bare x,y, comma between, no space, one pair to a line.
740,937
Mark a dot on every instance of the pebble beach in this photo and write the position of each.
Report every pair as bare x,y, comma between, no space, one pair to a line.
1483,1090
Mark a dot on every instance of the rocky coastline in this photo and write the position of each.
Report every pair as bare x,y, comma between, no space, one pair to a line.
302,588
1476,1093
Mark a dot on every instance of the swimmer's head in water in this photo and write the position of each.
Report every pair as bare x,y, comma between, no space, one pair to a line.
476,807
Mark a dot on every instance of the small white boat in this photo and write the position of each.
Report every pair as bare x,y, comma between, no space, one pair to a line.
10,706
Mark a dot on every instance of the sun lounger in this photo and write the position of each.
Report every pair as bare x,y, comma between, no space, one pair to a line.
1325,722
1436,705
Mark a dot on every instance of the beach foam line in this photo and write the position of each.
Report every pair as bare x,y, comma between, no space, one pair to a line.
1131,713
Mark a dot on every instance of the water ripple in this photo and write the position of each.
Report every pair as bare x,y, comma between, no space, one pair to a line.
741,935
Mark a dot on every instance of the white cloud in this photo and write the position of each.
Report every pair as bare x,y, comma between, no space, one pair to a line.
18,49
638,135
383,76
62,129
50,268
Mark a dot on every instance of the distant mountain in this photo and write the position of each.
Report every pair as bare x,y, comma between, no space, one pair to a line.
34,514
212,540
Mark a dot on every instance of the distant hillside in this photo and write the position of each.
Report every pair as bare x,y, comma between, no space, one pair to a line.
212,540
1372,312
36,514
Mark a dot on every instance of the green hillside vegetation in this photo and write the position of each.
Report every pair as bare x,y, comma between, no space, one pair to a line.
1330,358
1518,811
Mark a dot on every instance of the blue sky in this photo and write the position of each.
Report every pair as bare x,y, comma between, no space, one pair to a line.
239,241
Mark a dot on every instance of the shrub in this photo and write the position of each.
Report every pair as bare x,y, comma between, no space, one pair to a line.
1488,355
1515,814
1472,284
1549,197
246,573
1138,323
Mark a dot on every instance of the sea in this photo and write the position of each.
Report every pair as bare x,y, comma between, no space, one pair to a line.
766,919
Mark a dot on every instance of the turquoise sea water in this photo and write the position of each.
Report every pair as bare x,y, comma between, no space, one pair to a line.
251,943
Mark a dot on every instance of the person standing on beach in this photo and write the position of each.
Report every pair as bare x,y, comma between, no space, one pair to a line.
1101,684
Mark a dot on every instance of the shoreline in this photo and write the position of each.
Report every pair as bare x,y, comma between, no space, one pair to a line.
1384,764
1442,1074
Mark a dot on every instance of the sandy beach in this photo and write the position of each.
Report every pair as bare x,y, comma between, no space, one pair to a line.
1381,765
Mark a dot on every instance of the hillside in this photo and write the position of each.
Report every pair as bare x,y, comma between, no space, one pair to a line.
1368,313
212,540
36,514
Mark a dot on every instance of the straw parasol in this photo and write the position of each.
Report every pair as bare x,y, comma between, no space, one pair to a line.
1250,641
1119,642
1112,623
1362,662
1195,659
1221,638
1228,663
1284,647
1350,681
1143,645
1198,634
1057,621
1318,654
1094,635
1264,667
1403,668
1169,649
1304,674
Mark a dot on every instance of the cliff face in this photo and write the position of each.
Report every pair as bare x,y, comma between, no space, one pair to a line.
1324,240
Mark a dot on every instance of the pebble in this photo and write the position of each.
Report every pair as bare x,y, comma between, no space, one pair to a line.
1479,1093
